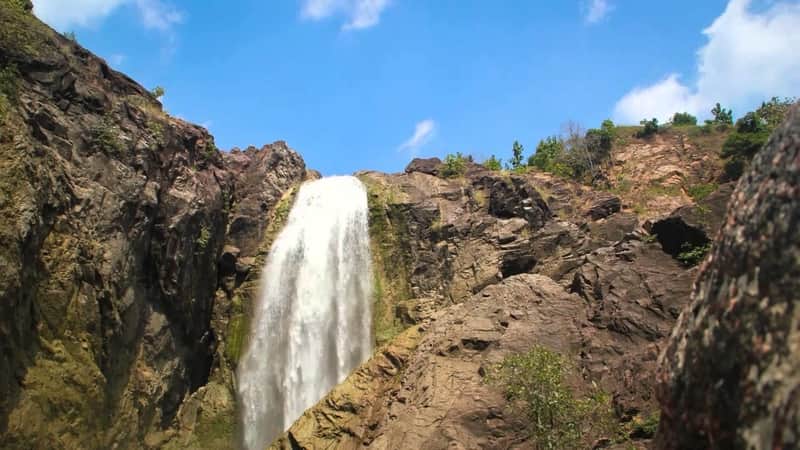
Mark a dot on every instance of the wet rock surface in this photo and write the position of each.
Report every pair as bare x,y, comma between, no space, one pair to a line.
730,373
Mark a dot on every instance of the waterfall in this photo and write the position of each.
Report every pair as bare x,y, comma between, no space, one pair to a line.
312,324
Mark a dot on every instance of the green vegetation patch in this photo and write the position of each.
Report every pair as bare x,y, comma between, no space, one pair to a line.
535,384
657,189
454,165
691,255
21,34
203,237
649,128
683,119
701,191
391,258
644,426
236,333
9,84
104,137
493,163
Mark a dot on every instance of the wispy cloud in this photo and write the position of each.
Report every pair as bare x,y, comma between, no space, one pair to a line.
597,10
423,132
158,15
360,14
154,14
750,56
116,59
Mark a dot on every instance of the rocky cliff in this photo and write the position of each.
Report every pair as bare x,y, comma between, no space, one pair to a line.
482,266
119,224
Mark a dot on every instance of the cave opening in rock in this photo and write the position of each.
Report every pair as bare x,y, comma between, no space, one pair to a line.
675,235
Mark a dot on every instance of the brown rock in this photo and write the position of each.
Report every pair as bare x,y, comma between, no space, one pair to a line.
430,166
439,398
604,207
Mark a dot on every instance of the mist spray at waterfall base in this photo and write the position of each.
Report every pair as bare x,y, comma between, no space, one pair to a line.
312,324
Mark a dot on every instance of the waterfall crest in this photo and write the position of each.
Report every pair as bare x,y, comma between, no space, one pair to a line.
312,324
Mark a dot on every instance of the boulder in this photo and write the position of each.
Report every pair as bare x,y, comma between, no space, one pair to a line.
430,166
730,376
604,207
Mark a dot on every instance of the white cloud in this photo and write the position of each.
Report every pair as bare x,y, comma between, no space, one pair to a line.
154,14
597,10
360,13
660,100
749,57
423,132
78,13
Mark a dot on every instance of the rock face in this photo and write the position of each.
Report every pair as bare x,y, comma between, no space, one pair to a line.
657,175
434,397
115,216
261,179
693,225
436,241
483,267
730,375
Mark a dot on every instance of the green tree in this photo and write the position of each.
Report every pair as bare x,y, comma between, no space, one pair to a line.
774,111
158,92
751,133
684,118
454,165
599,141
536,385
547,152
493,163
650,128
516,155
721,115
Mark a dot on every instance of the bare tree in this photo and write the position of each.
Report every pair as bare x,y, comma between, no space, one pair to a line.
577,147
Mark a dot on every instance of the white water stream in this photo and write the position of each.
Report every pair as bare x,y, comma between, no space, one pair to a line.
312,324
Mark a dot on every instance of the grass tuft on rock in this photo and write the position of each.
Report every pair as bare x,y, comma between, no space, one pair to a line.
701,191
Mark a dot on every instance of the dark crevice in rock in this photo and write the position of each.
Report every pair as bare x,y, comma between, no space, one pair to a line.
517,263
675,235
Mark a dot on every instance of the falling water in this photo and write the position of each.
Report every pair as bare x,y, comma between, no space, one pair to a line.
312,324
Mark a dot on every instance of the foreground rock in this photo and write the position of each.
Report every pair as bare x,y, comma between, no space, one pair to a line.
730,376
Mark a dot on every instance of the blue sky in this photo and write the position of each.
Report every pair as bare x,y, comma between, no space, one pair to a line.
369,84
